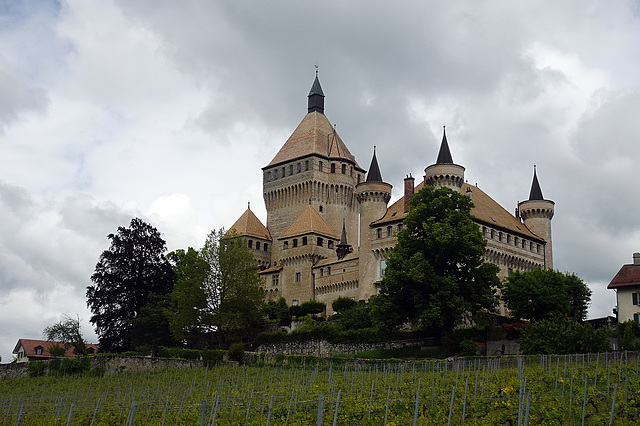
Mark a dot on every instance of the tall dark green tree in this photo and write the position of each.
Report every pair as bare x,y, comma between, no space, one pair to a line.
188,314
235,297
127,273
436,274
546,294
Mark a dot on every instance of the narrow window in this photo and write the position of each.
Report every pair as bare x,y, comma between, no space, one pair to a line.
500,236
320,208
283,172
379,232
295,242
306,165
333,168
492,234
344,169
399,227
330,244
257,245
636,317
286,245
266,246
383,267
298,277
389,231
319,243
250,244
304,241
321,272
320,166
634,297
274,280
358,177
328,270
299,167
290,169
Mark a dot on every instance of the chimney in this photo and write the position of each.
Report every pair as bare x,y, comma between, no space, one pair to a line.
408,191
636,259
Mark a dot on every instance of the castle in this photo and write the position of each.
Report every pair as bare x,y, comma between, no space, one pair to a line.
330,228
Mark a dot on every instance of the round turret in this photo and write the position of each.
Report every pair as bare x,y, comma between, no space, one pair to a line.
536,213
444,172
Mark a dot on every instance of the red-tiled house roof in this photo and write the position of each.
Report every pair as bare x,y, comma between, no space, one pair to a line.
627,276
39,349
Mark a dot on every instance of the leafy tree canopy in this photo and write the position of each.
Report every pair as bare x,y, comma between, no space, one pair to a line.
188,315
131,269
562,337
68,332
235,298
436,273
546,294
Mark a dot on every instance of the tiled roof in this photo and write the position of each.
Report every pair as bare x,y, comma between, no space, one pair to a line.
335,260
314,135
309,222
249,225
275,268
30,346
627,276
485,210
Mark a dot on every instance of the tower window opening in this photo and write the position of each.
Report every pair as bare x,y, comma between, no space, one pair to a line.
320,166
266,246
358,177
379,232
298,277
330,244
290,169
304,241
283,172
306,165
295,242
250,244
344,169
319,242
275,279
257,245
351,171
333,168
299,167
320,208
286,245
389,231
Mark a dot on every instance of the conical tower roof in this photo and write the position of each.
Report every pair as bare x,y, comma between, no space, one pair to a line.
315,101
444,155
536,192
309,222
250,226
374,174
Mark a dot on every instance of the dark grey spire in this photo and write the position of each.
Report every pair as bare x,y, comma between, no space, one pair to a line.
316,97
444,156
343,248
374,171
536,192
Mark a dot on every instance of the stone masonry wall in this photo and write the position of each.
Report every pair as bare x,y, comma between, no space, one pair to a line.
324,348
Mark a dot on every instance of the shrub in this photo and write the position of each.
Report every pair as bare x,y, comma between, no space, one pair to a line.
468,348
562,337
36,369
236,352
56,350
628,334
342,304
212,356
313,307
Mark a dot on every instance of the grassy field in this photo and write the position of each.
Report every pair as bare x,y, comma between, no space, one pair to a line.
519,390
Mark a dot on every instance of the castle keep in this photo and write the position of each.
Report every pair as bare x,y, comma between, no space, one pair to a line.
330,226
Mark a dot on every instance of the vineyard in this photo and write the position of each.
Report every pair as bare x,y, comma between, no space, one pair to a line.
592,389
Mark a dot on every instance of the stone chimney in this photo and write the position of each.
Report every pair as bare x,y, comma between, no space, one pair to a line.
409,182
636,259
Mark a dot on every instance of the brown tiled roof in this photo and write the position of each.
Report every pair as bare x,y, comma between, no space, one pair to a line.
485,210
309,222
249,225
275,268
627,276
314,135
335,260
30,346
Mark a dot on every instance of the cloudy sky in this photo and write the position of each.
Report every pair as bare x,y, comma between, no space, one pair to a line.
164,110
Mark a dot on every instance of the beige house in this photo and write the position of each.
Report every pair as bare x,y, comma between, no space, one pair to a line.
626,284
330,228
32,350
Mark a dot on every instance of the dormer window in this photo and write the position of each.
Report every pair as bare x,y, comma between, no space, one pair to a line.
39,350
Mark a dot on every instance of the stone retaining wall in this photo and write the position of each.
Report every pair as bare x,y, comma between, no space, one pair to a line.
323,348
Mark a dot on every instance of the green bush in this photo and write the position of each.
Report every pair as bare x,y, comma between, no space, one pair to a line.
36,369
468,348
56,350
313,307
562,337
212,356
628,334
236,352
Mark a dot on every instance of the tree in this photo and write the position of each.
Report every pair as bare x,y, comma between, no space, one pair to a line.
436,274
546,294
67,331
279,311
188,315
235,298
150,328
562,337
127,273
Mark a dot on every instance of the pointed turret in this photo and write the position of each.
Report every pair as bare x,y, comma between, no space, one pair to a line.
374,174
536,192
444,155
343,247
316,97
536,214
444,172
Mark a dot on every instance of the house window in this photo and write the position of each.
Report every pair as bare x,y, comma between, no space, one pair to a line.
634,298
38,350
257,245
298,277
636,317
319,242
275,279
344,169
379,232
295,242
250,244
333,168
304,241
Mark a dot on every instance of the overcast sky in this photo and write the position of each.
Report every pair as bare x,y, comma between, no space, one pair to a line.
165,110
